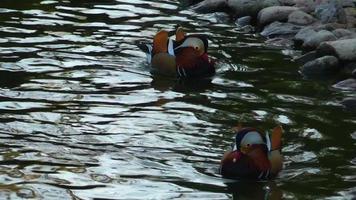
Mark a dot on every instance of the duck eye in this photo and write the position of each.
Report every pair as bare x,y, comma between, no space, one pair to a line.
248,145
197,48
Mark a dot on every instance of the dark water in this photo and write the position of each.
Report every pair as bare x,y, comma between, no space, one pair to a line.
83,118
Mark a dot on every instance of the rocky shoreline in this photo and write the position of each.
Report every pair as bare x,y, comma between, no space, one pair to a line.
324,29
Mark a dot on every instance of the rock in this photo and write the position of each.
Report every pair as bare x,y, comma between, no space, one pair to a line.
300,18
350,17
287,2
340,32
208,6
307,6
243,21
249,7
279,42
314,40
348,84
330,11
349,103
350,68
312,55
274,13
329,26
344,49
304,33
354,73
280,29
320,66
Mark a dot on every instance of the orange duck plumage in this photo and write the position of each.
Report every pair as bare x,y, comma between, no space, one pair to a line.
254,155
186,56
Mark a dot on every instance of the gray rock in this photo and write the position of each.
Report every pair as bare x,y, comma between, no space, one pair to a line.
307,6
300,18
287,2
208,6
249,7
340,32
274,13
279,42
348,84
344,49
243,21
349,103
320,66
330,11
314,40
304,33
312,55
280,29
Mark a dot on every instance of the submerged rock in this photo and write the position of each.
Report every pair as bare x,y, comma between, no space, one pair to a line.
344,49
320,66
313,41
348,84
244,21
274,13
349,103
208,6
300,18
280,29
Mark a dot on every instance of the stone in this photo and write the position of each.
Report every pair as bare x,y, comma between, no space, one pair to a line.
287,2
345,50
304,33
274,13
348,84
330,11
244,21
311,55
307,6
341,32
300,18
313,41
350,68
279,42
280,29
208,6
320,66
249,7
349,103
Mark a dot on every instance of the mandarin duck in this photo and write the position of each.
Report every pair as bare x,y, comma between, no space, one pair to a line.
186,56
254,155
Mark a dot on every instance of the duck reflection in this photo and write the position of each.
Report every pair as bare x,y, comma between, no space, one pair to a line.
250,190
181,84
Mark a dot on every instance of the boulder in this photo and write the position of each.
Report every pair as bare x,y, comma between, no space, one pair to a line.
341,32
304,33
300,18
313,41
243,21
280,29
348,84
274,13
287,2
349,103
249,7
208,6
311,55
345,50
320,66
307,6
330,11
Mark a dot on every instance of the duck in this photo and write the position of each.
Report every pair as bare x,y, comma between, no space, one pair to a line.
186,56
254,155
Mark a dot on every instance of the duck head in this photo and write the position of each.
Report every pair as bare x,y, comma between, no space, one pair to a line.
251,157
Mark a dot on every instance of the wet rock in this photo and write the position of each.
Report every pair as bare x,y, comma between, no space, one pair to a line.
280,29
279,42
249,7
313,41
340,32
307,6
300,18
349,103
320,66
348,84
330,11
312,55
243,21
274,13
344,49
208,6
304,33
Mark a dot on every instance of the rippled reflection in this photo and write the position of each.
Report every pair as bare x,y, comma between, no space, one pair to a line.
82,116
